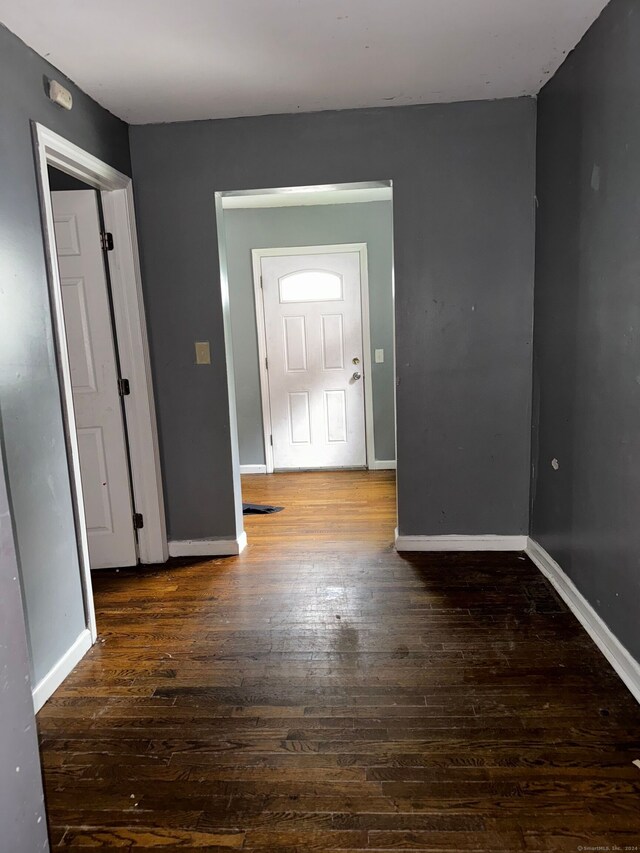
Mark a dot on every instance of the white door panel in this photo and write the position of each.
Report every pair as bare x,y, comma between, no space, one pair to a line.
295,344
94,378
299,418
335,410
313,321
332,342
97,506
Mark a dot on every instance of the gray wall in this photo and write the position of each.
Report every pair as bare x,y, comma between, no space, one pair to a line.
369,223
23,825
587,320
29,391
463,183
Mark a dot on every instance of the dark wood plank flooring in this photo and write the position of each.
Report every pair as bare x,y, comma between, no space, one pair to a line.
321,692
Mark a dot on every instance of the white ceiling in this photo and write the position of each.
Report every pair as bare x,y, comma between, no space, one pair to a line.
174,60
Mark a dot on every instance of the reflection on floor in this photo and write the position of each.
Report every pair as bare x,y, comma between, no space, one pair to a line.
321,692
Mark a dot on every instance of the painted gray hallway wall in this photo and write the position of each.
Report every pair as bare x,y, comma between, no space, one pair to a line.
463,182
323,224
36,456
587,320
23,823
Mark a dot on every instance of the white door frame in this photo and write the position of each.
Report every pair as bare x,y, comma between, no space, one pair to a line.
131,334
257,255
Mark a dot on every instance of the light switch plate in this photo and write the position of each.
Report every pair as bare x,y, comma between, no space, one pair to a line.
379,356
203,352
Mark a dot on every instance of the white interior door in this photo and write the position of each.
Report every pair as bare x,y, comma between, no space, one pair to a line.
94,377
313,322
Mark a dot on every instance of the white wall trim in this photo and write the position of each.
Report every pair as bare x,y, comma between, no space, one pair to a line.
208,547
486,542
253,469
135,363
626,666
366,351
54,150
383,465
257,255
47,686
265,402
48,150
234,449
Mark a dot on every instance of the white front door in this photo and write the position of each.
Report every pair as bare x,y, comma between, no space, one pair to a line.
94,377
313,322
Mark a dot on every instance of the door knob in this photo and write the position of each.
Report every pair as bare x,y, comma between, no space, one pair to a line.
357,375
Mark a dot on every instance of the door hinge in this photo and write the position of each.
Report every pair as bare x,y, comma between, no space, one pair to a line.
106,240
271,440
124,389
266,363
138,521
261,282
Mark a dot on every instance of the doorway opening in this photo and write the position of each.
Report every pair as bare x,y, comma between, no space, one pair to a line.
307,278
103,365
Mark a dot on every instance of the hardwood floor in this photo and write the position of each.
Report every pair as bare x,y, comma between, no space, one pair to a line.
321,692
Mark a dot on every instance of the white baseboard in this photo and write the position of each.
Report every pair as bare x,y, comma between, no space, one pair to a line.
383,465
253,469
48,685
620,659
208,547
460,543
